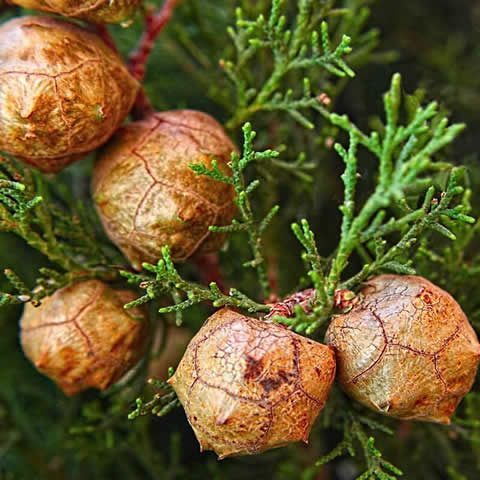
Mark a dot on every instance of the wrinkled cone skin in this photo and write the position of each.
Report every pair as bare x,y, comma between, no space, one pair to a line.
96,11
82,336
249,385
63,92
406,350
148,197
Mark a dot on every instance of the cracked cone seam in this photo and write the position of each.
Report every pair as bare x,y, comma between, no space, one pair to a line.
406,349
63,91
148,197
249,385
103,11
82,337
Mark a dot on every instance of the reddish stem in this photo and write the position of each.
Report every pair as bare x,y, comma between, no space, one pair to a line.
155,22
142,106
404,430
104,34
344,299
273,280
208,267
286,308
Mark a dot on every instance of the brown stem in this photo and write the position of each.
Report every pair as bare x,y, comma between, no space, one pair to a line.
142,106
273,279
208,267
286,308
155,22
404,430
344,299
104,34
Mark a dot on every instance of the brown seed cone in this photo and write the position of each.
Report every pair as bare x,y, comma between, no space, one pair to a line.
82,336
249,385
406,349
63,92
96,11
146,194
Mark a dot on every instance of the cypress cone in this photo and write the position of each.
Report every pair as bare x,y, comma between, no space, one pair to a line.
148,197
406,349
104,11
63,91
82,337
249,385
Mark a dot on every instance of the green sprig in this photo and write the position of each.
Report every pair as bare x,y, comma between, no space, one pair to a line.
167,279
161,403
298,47
248,223
354,438
30,209
405,165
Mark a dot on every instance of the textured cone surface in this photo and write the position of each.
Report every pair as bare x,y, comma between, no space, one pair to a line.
96,11
406,350
82,336
148,197
63,92
248,385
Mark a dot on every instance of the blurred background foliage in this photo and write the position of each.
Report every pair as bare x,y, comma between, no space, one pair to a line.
435,44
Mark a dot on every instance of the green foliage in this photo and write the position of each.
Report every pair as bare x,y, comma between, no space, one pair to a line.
291,44
58,227
254,228
456,265
166,277
161,404
301,47
168,280
355,427
406,171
